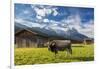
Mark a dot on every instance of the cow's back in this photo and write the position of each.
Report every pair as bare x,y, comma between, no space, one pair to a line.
62,43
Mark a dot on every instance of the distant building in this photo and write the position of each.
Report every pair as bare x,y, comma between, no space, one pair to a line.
27,38
88,41
85,41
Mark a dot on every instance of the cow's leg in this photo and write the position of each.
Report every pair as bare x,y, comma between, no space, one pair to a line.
56,53
67,52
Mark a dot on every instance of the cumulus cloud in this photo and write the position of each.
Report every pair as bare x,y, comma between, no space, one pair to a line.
55,13
53,21
74,21
38,17
43,11
46,20
40,12
86,28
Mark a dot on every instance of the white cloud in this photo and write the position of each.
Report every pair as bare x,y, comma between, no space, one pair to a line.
44,10
53,21
48,11
55,12
38,17
74,21
23,22
18,20
28,23
38,25
87,31
40,12
45,20
56,28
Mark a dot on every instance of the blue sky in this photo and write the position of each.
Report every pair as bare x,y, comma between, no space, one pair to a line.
63,12
33,14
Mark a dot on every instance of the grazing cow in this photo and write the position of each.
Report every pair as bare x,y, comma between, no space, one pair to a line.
60,45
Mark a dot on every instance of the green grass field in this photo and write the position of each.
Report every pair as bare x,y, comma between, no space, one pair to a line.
26,56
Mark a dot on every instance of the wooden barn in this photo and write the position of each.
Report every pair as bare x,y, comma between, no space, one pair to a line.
85,41
27,38
88,41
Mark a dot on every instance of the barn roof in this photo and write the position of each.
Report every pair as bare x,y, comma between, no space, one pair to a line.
19,31
26,30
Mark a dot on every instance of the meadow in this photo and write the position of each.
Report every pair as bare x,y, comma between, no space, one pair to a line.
27,56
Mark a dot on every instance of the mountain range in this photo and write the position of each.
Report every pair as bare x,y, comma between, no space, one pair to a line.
49,31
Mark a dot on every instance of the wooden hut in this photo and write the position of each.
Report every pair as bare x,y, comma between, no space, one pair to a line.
88,41
26,38
85,41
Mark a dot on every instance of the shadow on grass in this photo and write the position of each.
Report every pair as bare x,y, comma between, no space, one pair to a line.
78,46
82,58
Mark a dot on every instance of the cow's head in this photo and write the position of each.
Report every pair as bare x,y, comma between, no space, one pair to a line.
51,44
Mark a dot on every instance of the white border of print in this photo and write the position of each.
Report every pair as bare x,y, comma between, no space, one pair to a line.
5,35
72,65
